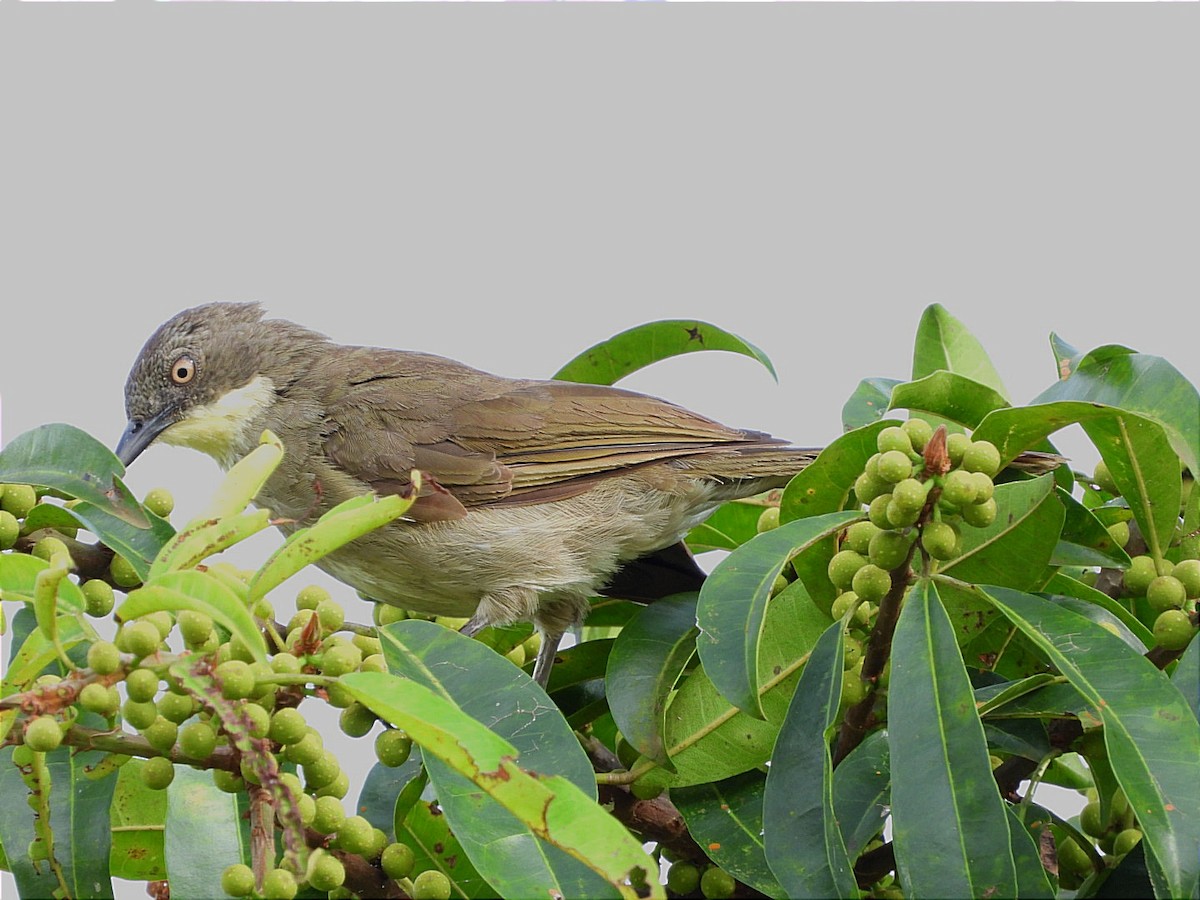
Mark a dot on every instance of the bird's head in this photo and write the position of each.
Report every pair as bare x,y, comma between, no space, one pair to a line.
205,376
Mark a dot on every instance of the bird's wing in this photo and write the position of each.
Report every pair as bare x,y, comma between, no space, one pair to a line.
480,439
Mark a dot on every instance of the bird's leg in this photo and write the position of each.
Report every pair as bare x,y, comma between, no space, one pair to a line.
545,657
474,625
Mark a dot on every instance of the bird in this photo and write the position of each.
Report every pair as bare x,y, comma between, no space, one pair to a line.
534,495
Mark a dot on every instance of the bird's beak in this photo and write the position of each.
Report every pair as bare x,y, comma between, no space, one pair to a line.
140,434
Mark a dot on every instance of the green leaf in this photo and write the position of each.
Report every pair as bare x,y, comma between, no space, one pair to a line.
577,681
70,460
613,359
709,739
206,831
729,527
732,607
994,697
948,395
862,790
1153,739
803,842
1085,541
1032,880
426,830
870,400
136,544
1099,607
78,819
18,581
245,478
138,816
647,659
334,529
199,591
824,485
726,819
202,538
552,807
949,823
943,342
1186,677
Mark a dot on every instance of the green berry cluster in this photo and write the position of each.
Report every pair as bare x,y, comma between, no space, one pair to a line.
684,878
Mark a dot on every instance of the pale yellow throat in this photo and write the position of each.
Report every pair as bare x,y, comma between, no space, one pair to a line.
224,428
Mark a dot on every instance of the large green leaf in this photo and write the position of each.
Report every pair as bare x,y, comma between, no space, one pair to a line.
803,842
70,460
949,823
138,817
206,830
78,807
732,607
613,359
870,400
1032,880
1099,607
1085,540
551,806
1187,676
1153,739
862,790
726,819
729,527
707,737
943,342
824,485
138,545
646,660
950,396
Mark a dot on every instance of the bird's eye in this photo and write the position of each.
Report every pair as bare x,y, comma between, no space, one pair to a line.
183,370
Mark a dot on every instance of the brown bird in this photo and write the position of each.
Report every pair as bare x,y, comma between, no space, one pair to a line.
536,495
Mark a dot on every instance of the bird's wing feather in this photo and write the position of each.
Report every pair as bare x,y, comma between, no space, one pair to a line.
480,439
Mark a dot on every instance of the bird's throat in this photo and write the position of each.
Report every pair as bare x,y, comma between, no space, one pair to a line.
228,427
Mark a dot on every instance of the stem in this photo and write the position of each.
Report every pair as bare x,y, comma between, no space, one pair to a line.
262,834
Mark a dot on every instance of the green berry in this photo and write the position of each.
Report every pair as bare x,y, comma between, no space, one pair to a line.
397,860
237,880
852,651
858,537
331,616
122,572
327,873
894,466
1119,532
376,663
139,714
177,708
431,885
48,547
226,781
940,540
985,488
141,684
871,583
910,494
97,698
842,604
98,597
889,549
197,740
877,512
1138,576
982,456
340,660
516,655
10,529
307,750
288,725
843,566
236,679
1165,592
1188,574
1173,629
902,516
959,488
195,627
683,878
894,438
867,487
1103,479
919,432
286,664
717,884
1126,841
956,445
43,734
311,596
160,502
260,719
392,747
158,773
356,720
279,884
980,515
161,734
1090,821
768,519
141,638
386,615
355,835
18,499
103,658
1072,858
321,771
329,816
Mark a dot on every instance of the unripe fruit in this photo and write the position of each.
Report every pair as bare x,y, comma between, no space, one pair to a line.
260,719
99,699
768,519
311,596
919,432
902,516
48,547
431,885
286,664
195,627
980,515
1173,629
43,734
177,708
158,773
355,835
958,488
392,747
889,549
161,734
894,438
844,601
141,684
877,512
1073,858
1103,478
1138,576
139,714
982,456
340,660
940,540
894,466
160,502
18,499
307,750
1089,819
910,495
853,687
1188,574
229,782
397,860
1126,841
867,487
956,445
1119,532
287,725
279,884
985,488
683,878
331,616
10,529
141,638
852,651
842,567
329,816
103,658
871,583
717,884
516,655
384,614
237,880
858,537
236,679
197,740
1165,592
122,572
321,771
339,787
356,720
327,873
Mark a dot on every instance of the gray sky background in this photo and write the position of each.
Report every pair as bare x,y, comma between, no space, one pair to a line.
507,185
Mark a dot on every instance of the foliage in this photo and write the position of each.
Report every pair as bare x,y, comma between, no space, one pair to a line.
917,633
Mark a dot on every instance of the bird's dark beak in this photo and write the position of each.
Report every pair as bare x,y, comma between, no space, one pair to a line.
140,434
